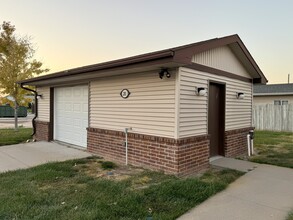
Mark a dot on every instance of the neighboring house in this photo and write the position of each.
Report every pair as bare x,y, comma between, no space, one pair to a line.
273,107
275,94
184,105
28,96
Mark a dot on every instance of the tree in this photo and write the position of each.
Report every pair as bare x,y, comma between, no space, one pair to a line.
16,64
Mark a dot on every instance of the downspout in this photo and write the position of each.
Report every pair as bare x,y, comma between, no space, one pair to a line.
36,107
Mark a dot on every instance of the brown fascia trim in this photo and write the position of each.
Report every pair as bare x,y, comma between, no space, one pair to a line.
181,55
272,94
106,65
218,72
262,78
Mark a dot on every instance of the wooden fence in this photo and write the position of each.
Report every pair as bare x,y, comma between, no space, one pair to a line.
273,117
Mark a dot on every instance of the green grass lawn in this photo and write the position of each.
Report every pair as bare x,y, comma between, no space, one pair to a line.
76,189
274,148
10,136
290,216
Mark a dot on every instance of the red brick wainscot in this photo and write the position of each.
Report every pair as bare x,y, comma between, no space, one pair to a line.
42,131
174,156
236,142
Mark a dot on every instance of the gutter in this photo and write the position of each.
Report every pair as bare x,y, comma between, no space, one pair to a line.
104,66
36,107
273,94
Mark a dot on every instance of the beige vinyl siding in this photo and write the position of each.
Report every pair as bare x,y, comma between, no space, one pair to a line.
148,110
264,100
193,109
44,104
221,58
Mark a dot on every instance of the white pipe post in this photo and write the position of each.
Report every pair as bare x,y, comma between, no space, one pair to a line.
126,147
248,144
251,143
126,144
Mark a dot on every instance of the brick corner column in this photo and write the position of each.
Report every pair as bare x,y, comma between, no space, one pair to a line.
193,155
42,131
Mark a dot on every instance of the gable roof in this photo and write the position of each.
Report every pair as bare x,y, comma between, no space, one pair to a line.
273,89
169,58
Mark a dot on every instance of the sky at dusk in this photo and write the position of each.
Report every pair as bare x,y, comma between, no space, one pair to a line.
73,33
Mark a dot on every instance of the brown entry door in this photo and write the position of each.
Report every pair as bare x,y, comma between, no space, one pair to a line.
216,118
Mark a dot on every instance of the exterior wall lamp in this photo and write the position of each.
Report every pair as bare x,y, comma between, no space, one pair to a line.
200,91
39,96
240,95
163,72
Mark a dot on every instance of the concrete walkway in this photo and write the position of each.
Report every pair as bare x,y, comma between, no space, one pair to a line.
264,193
231,163
21,156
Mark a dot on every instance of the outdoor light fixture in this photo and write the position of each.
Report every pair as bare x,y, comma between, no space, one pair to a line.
200,91
168,75
39,96
162,73
240,95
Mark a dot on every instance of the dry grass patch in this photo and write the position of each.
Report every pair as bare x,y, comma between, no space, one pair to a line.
93,167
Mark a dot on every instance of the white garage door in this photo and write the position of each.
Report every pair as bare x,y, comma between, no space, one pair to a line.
71,115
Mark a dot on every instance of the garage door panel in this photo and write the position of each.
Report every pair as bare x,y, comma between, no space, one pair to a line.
76,108
85,108
71,115
68,121
85,92
68,92
85,123
68,107
77,123
77,92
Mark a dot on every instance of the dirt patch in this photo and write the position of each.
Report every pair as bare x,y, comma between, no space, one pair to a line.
94,169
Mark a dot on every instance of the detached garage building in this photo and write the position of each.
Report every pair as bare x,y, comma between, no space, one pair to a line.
184,105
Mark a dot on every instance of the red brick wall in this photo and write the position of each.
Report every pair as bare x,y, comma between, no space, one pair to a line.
180,157
236,142
42,131
193,154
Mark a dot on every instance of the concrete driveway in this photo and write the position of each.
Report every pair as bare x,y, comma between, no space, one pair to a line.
27,155
263,193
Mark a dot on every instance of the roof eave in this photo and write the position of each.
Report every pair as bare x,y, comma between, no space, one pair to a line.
156,56
178,55
273,94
